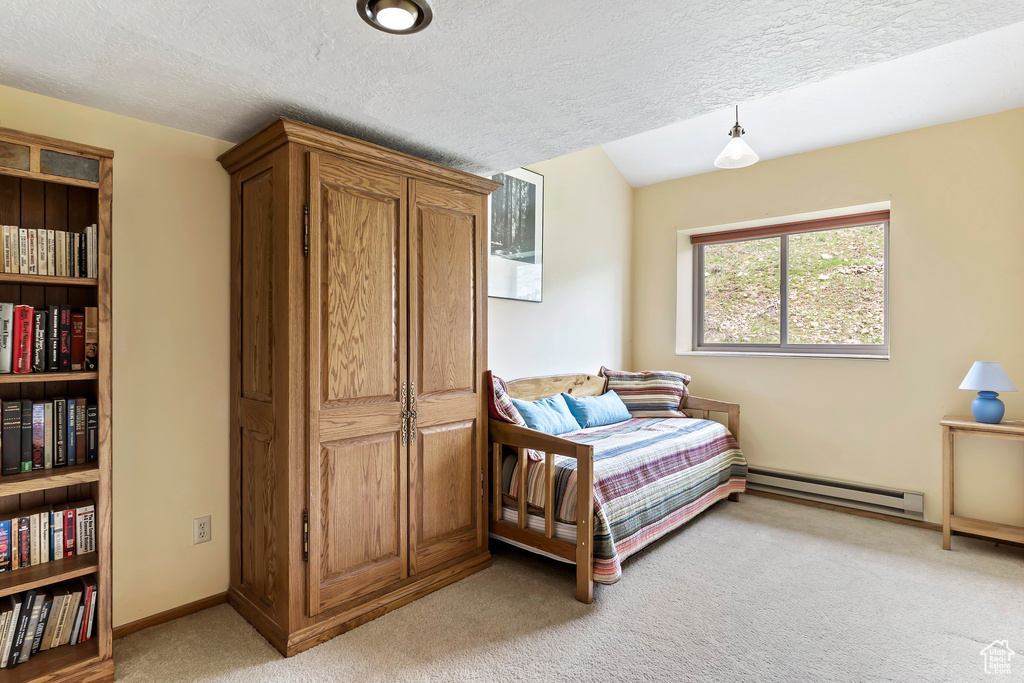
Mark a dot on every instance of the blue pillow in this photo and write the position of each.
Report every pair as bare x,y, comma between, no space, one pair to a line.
597,411
549,415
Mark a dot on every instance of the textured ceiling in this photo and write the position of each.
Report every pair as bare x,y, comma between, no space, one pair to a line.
490,85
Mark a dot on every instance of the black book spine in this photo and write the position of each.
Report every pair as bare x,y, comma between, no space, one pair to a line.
44,616
26,436
82,258
10,437
39,342
69,439
28,602
53,340
65,338
60,432
92,421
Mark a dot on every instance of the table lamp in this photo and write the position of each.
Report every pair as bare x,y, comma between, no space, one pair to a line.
987,378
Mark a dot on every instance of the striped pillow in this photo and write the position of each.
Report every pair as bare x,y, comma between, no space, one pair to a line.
500,407
649,394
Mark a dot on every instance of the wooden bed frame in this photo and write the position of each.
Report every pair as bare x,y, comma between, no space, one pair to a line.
522,439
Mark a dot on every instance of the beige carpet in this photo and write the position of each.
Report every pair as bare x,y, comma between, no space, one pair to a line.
759,590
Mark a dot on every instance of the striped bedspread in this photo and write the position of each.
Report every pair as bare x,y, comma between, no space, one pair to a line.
651,475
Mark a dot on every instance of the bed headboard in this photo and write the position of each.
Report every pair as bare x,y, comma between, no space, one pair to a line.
534,388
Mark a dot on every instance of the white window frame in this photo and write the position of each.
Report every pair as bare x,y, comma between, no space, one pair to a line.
690,299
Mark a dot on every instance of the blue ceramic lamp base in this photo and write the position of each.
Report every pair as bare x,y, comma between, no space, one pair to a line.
987,407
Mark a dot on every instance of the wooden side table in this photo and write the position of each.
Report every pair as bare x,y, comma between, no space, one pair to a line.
951,426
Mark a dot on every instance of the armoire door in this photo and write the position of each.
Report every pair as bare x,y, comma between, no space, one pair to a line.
447,238
357,368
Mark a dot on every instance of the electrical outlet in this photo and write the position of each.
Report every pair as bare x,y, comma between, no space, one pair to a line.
202,531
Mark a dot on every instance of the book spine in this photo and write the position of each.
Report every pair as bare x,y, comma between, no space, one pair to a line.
44,536
72,433
19,634
81,428
33,253
86,530
77,341
53,339
6,337
5,545
26,436
82,252
56,534
65,338
58,251
9,638
92,613
92,337
7,248
92,436
60,431
24,542
44,618
23,339
39,341
23,251
38,436
48,435
42,247
33,539
74,254
69,533
10,437
51,262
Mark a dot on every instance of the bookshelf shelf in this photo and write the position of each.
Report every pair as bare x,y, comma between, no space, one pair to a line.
47,573
40,480
60,663
29,377
47,280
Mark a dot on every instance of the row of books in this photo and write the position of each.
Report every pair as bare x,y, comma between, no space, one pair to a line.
47,534
55,339
45,618
55,432
31,251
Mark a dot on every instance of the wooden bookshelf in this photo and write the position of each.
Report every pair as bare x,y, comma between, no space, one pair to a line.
58,185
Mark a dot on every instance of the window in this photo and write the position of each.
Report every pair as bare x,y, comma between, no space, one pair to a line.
811,287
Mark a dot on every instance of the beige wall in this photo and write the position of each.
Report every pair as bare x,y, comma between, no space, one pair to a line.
170,317
583,320
956,296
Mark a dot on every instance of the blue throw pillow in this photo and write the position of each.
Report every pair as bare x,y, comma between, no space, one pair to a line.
597,411
549,415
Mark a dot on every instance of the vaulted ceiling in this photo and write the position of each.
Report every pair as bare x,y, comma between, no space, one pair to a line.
490,85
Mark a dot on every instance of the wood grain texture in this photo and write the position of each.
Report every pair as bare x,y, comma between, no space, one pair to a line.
169,615
534,388
258,489
257,272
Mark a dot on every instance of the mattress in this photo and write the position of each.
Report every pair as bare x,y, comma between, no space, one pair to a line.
651,476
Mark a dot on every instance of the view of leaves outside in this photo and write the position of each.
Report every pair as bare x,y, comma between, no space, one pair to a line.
836,289
837,286
742,292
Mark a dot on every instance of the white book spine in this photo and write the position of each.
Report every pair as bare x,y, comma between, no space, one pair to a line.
33,253
23,251
48,435
59,251
12,248
42,247
9,640
94,247
92,613
6,340
5,261
44,536
51,266
85,539
57,537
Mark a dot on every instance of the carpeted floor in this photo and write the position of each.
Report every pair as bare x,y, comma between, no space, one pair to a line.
759,590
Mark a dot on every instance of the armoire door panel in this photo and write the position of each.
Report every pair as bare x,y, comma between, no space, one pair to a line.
359,276
361,524
258,516
446,264
256,195
358,363
443,479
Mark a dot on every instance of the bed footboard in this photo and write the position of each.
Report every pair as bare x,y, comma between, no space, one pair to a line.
582,553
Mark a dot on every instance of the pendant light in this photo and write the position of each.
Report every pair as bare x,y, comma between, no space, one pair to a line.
395,16
737,153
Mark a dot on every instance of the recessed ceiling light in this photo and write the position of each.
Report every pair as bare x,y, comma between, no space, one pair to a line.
395,16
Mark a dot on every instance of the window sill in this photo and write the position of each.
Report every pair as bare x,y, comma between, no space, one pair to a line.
784,354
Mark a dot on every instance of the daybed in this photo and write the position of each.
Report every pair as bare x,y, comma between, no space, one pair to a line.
598,495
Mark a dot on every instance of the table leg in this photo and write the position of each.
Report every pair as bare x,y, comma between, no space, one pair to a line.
947,484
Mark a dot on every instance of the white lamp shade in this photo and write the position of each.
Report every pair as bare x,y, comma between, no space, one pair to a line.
736,154
987,376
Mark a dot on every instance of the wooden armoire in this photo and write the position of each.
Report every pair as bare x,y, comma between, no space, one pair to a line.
358,411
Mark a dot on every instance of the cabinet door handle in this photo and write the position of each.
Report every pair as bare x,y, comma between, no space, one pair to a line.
405,417
412,413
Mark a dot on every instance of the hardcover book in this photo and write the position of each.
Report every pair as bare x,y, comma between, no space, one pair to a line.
92,337
6,336
39,341
92,436
69,532
26,436
44,617
22,360
60,594
10,437
30,630
65,338
60,431
48,435
85,516
38,436
77,341
80,431
56,534
72,432
19,633
53,339
24,542
16,603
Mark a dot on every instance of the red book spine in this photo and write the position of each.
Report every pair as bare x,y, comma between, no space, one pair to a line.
22,361
69,533
78,341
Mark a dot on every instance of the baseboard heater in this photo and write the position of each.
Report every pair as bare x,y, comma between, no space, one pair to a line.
872,498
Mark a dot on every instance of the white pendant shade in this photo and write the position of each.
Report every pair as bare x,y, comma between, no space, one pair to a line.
736,154
987,376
